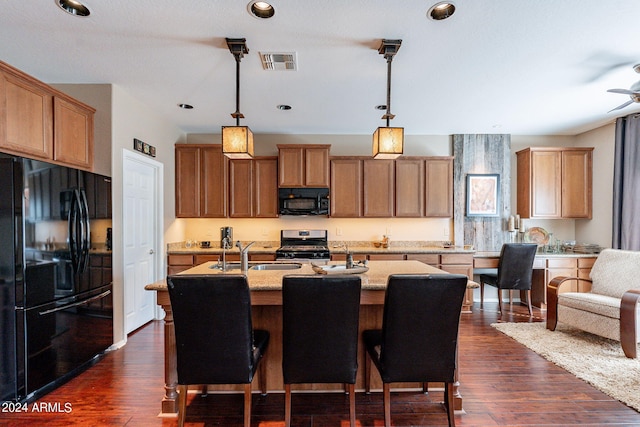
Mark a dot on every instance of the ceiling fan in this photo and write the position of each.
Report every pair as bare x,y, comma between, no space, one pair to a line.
633,91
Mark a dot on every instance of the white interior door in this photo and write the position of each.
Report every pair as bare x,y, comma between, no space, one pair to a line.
140,238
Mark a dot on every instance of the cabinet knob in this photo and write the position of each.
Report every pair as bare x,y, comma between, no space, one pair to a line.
151,251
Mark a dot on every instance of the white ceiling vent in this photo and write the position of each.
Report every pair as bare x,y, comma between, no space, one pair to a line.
278,61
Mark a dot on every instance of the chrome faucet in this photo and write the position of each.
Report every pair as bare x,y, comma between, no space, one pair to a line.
244,256
226,243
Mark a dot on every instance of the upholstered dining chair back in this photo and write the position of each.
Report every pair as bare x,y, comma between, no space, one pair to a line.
214,334
515,266
420,327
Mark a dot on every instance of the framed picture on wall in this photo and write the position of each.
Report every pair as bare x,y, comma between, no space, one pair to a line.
483,194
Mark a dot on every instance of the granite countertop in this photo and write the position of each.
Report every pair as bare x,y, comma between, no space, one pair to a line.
334,248
269,280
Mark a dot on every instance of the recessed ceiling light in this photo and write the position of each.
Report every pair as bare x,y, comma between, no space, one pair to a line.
442,10
261,9
186,106
283,107
74,7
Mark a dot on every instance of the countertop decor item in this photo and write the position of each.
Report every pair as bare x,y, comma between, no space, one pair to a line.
536,235
338,269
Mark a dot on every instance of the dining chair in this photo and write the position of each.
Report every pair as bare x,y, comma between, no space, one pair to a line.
320,317
215,340
419,336
515,268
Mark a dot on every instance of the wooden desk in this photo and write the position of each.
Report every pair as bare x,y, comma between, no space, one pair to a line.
545,268
266,301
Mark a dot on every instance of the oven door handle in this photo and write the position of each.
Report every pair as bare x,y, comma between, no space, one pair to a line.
75,304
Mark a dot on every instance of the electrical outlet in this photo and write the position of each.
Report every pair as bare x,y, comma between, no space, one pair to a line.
446,232
265,232
389,231
338,231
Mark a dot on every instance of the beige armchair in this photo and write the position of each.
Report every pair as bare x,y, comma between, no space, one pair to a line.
607,304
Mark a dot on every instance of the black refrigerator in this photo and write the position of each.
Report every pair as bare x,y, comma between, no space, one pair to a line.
56,311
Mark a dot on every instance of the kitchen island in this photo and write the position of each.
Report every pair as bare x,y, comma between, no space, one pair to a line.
266,301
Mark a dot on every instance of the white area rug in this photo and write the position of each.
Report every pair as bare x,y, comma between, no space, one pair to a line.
598,361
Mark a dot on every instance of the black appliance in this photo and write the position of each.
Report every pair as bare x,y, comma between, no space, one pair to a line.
56,310
303,201
303,245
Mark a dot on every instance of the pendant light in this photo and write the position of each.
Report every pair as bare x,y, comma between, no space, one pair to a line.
388,142
237,141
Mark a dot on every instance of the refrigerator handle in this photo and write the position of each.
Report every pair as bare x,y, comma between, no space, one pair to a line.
86,230
72,236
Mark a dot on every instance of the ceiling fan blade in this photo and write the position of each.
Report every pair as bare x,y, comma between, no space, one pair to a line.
619,107
623,91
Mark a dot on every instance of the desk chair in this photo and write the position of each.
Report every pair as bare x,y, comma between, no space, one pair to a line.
515,268
320,333
215,341
419,336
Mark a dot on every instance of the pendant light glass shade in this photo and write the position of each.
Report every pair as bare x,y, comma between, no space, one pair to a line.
237,142
388,143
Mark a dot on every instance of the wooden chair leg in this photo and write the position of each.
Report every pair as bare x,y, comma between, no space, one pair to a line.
352,404
449,404
182,404
204,391
481,294
287,405
386,400
367,372
247,405
529,302
500,301
262,373
510,297
425,388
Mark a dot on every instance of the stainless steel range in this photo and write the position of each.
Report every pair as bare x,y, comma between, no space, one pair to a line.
303,245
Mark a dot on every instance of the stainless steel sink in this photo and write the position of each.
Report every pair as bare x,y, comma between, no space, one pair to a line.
278,266
229,266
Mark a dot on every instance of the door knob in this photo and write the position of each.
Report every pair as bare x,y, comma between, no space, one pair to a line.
151,251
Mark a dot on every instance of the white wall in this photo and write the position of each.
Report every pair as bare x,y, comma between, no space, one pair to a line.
131,119
599,230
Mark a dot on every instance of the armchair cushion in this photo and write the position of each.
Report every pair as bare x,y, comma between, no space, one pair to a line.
592,303
615,272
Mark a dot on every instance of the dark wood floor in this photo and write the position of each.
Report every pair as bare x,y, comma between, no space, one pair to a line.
503,384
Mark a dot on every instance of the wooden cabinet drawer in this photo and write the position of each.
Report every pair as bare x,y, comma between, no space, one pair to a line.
180,260
175,269
431,259
456,259
586,262
458,269
386,257
485,262
562,263
262,257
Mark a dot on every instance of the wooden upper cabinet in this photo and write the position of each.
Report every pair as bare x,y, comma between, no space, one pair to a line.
253,188
265,187
346,188
26,115
73,133
201,181
38,121
554,182
213,182
577,185
409,191
240,188
303,165
379,188
439,187
187,181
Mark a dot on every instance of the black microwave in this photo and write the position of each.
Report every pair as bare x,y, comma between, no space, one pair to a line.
303,201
